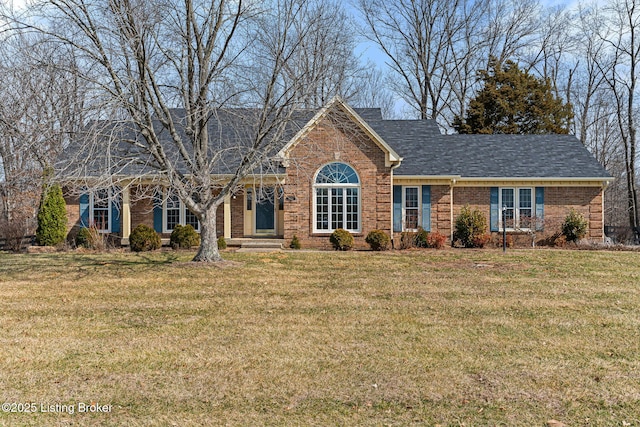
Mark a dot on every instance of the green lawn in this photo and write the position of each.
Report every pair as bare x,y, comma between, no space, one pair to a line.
455,337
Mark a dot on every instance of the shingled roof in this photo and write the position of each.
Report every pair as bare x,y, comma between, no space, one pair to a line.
427,152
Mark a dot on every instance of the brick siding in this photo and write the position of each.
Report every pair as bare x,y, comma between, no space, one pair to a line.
329,141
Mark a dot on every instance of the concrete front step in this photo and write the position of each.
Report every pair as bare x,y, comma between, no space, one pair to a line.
270,244
258,250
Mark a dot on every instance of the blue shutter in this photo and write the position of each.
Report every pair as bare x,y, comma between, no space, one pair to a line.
116,217
426,207
84,210
157,212
539,208
397,208
495,210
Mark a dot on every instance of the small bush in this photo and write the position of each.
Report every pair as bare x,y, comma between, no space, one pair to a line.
341,240
480,241
83,238
574,226
222,243
470,228
52,218
185,236
90,238
144,238
407,240
295,243
378,240
435,240
421,237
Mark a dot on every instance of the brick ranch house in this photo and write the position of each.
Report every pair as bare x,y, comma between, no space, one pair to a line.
348,168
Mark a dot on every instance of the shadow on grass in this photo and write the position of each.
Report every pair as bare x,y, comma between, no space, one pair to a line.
82,264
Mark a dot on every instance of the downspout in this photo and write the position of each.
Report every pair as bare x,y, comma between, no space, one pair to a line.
605,184
451,221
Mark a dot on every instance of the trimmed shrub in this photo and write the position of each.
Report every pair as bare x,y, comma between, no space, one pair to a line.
341,240
185,236
52,217
378,240
222,243
144,238
574,226
295,243
471,228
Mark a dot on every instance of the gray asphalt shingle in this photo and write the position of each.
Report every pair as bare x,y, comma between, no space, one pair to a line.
427,152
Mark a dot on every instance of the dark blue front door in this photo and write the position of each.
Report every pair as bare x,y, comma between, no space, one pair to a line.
265,218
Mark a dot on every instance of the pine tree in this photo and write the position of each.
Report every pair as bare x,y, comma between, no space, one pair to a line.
52,217
512,101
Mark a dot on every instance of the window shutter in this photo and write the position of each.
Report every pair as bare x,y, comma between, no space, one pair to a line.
397,208
116,203
426,207
495,210
539,208
84,210
157,212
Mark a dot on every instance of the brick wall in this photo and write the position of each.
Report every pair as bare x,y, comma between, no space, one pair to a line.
336,139
557,203
586,200
237,216
441,209
141,208
73,212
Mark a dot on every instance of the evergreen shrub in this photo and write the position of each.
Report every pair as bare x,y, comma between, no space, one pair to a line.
144,238
185,236
378,240
341,240
52,217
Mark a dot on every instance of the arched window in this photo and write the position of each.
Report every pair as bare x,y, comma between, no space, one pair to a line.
336,202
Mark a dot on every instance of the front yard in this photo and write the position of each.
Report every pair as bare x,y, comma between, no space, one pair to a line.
453,337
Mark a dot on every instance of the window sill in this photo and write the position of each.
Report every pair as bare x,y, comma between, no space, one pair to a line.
329,233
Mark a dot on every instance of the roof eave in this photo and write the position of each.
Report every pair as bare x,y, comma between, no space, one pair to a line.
391,156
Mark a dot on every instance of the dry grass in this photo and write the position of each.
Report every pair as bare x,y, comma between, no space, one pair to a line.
460,337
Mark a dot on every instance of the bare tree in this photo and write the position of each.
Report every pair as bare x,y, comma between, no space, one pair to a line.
415,38
167,70
621,32
37,97
435,48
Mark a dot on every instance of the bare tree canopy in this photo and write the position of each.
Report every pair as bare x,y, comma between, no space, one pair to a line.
165,74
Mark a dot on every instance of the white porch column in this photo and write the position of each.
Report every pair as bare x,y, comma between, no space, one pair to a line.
126,215
227,217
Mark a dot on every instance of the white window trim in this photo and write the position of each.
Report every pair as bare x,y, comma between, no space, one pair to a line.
404,206
344,202
516,207
182,215
109,211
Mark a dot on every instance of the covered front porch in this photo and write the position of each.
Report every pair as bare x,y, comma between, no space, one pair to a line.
253,212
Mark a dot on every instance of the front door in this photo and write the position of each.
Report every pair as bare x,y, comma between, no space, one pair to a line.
265,213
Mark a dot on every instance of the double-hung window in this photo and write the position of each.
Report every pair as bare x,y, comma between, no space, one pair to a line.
336,198
176,213
411,206
100,210
517,204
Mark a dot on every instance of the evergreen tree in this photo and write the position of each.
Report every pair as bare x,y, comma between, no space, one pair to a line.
52,217
515,102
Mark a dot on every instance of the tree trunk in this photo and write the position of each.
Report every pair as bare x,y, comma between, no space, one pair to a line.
208,251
